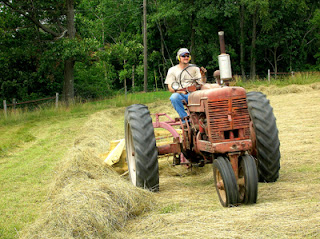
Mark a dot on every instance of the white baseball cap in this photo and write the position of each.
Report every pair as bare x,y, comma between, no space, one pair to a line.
182,51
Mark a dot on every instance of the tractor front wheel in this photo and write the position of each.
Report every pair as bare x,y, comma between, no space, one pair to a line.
248,180
142,153
225,182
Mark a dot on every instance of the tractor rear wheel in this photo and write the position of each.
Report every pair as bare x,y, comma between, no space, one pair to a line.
248,176
225,182
142,153
266,141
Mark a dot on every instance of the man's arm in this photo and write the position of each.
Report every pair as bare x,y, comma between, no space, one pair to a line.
170,79
170,88
178,91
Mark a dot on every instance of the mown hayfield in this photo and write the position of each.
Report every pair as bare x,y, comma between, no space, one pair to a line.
77,197
188,206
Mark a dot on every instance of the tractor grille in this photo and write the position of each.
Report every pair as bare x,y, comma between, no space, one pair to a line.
228,119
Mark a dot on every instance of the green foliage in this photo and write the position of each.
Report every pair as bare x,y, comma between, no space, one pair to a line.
93,81
108,47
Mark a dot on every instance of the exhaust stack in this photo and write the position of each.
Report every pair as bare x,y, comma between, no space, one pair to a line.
224,60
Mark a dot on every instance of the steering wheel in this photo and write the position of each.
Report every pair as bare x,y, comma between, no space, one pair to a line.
176,85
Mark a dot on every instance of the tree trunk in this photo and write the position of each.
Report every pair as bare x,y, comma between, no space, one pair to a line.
253,47
243,74
68,86
161,77
155,79
290,54
163,44
133,78
106,75
193,36
164,60
275,60
193,59
145,48
125,80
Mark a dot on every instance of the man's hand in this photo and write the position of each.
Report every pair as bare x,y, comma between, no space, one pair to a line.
182,92
170,88
203,72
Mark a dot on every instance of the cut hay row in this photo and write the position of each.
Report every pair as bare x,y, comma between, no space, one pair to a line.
89,200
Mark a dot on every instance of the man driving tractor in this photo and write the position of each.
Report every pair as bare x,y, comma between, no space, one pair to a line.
227,127
184,74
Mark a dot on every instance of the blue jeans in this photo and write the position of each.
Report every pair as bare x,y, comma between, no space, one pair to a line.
176,101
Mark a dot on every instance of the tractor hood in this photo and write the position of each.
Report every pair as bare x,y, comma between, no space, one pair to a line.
196,99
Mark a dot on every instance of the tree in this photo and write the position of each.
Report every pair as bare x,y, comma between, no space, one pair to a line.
287,34
21,47
68,86
258,9
117,26
242,39
56,19
145,46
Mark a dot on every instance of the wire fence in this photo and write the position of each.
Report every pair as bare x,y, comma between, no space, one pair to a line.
15,103
279,73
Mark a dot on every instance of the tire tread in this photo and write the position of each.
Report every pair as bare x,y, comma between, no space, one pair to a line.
267,140
144,143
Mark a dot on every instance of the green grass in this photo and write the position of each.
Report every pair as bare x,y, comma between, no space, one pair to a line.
302,78
170,208
17,128
24,115
30,152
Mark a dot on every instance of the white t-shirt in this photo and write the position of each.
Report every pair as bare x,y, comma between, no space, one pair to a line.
174,74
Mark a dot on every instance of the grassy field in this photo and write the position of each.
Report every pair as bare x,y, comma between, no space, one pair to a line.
33,146
30,152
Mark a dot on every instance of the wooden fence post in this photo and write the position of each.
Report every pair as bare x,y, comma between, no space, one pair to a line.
269,75
57,100
5,108
14,104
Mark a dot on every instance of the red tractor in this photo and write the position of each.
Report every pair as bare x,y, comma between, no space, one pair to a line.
227,127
